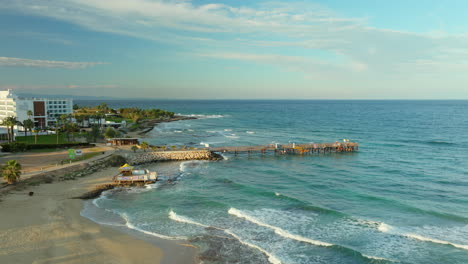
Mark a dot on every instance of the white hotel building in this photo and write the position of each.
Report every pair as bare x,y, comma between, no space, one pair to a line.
46,111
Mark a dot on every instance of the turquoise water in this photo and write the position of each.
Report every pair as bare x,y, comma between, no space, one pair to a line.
403,198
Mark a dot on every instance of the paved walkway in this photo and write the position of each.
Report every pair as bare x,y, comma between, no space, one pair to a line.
36,163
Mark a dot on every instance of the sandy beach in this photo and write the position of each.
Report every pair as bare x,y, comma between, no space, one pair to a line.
48,228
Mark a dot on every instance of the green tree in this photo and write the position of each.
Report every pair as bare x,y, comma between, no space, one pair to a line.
95,133
144,145
10,122
29,124
72,128
136,117
11,171
79,119
30,114
134,148
110,133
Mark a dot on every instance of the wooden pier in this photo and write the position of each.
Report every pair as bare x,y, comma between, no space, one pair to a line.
300,149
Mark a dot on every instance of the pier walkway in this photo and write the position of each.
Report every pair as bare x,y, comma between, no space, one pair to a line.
293,148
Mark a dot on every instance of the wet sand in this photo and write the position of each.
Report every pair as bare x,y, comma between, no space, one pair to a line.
48,228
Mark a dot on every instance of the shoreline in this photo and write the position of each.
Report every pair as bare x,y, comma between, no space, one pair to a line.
48,227
148,125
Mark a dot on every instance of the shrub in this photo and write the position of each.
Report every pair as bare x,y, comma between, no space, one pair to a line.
116,160
14,147
18,146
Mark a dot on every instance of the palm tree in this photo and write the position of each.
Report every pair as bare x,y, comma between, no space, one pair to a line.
144,145
10,122
79,120
11,171
28,124
72,128
5,122
30,114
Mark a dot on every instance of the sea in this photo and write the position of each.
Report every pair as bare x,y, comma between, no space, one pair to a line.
402,198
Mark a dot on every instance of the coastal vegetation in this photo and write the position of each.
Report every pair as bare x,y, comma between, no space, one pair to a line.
11,171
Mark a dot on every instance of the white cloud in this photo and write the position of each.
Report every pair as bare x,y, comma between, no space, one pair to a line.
20,62
274,25
56,86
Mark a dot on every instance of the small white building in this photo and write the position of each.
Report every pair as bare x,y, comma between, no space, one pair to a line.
45,111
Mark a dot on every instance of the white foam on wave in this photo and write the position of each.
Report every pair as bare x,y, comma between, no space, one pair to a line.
203,116
385,228
250,132
178,131
377,258
183,167
277,230
277,193
231,136
85,213
103,196
228,129
131,226
271,258
151,186
184,219
433,240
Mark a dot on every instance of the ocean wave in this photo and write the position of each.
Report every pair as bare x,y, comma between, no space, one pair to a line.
231,136
281,232
182,219
277,230
250,132
133,227
203,116
386,228
271,258
434,240
90,213
184,166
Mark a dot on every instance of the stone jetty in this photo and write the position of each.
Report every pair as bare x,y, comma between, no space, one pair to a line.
154,156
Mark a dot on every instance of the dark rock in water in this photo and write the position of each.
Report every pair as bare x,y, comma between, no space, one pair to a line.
96,192
219,248
31,193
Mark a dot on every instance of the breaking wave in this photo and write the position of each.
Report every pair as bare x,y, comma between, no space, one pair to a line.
385,228
271,258
277,230
133,227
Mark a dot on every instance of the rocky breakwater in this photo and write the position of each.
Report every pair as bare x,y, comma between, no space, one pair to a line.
155,156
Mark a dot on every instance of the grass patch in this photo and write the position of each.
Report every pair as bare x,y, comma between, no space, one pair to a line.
44,150
85,156
43,139
118,119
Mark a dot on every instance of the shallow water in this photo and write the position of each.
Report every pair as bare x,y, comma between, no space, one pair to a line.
401,198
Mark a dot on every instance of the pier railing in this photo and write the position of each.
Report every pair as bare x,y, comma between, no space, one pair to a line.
291,148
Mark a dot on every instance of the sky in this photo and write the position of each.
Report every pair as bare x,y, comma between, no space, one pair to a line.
236,49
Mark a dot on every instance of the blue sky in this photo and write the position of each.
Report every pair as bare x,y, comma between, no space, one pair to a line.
236,49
